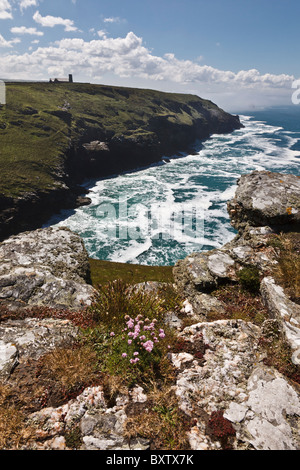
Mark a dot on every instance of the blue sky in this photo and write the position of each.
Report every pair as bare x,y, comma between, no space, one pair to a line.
242,54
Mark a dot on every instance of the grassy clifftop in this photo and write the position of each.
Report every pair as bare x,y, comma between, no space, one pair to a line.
42,120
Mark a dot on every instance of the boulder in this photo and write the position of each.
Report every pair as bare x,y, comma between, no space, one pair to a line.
46,267
265,198
202,272
29,339
282,309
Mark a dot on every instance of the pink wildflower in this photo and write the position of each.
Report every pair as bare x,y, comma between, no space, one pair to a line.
124,355
112,334
134,361
148,345
130,323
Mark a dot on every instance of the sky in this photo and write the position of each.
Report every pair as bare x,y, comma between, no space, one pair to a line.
241,54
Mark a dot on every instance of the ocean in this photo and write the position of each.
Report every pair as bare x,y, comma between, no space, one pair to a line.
160,214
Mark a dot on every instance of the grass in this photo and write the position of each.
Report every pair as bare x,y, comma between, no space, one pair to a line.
161,421
40,120
13,429
103,272
239,304
287,271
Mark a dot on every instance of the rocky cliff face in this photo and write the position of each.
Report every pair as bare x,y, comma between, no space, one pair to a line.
98,131
228,381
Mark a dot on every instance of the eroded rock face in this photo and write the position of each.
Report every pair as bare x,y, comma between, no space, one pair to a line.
269,418
45,267
101,427
265,198
262,405
31,338
281,308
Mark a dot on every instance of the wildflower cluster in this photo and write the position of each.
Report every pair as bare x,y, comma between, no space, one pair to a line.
139,337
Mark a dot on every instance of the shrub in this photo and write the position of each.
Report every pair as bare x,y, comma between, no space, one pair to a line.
117,299
220,428
249,279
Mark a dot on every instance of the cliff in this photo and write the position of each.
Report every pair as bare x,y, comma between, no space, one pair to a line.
53,136
221,370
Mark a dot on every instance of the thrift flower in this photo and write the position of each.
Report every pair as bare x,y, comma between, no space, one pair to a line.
130,323
148,345
124,355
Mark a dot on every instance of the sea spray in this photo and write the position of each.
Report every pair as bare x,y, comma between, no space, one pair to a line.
204,182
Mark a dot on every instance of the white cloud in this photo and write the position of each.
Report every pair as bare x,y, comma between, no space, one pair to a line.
127,60
24,30
113,19
5,10
5,43
102,33
51,21
28,3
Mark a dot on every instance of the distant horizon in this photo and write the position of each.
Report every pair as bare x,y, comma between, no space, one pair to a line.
232,111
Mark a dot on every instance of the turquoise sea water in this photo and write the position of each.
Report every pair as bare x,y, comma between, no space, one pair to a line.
158,215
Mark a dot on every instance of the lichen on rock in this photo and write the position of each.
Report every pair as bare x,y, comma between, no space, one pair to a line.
47,267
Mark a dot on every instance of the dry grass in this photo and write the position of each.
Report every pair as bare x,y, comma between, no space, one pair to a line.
70,367
161,421
13,429
287,272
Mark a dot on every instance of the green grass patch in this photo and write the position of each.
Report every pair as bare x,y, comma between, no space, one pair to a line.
103,272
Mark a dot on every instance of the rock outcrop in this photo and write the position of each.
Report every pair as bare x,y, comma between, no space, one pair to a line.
46,267
264,198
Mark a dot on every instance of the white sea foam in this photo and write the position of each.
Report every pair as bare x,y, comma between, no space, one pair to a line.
205,181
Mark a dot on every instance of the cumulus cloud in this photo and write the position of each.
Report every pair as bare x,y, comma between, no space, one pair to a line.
51,21
5,10
127,58
28,3
24,30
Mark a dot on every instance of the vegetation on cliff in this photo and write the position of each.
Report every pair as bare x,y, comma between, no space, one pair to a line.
42,121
